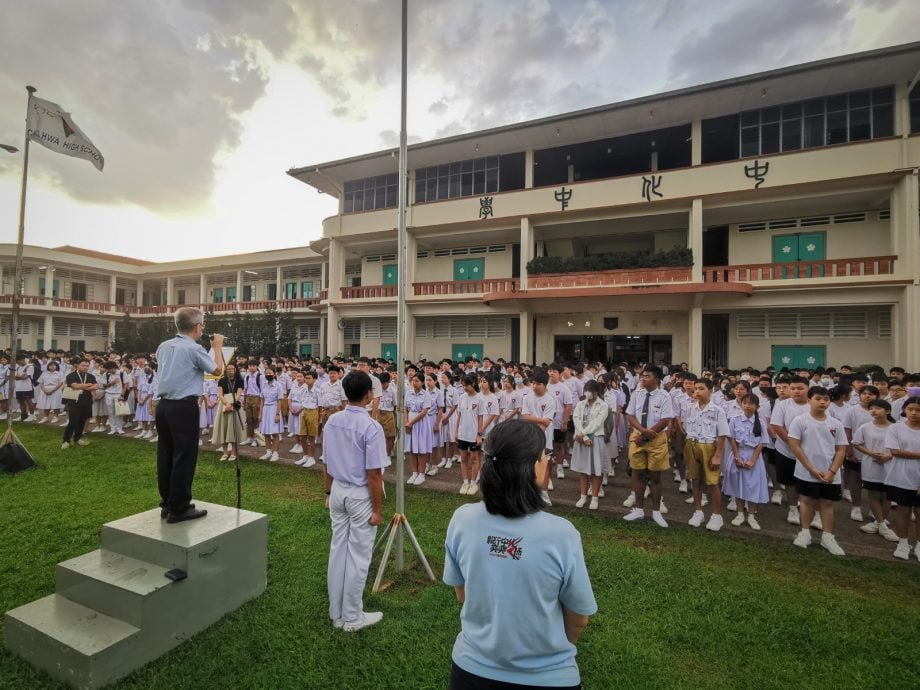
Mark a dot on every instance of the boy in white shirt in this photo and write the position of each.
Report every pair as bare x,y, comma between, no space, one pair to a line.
540,408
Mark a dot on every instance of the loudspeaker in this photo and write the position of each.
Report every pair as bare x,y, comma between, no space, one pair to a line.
15,458
611,323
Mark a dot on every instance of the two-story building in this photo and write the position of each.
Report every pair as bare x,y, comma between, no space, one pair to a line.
795,192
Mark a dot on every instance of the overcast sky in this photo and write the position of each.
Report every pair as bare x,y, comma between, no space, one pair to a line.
200,106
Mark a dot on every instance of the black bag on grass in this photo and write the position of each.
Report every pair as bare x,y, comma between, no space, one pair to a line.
15,458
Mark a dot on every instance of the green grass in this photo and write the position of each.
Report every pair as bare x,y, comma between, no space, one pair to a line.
677,608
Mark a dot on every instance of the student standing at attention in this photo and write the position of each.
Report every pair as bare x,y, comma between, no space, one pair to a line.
819,443
355,458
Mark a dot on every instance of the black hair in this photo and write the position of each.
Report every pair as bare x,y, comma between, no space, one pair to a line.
912,400
509,487
356,385
839,392
471,380
815,391
594,387
384,377
654,371
705,382
750,397
540,376
883,404
869,388
799,379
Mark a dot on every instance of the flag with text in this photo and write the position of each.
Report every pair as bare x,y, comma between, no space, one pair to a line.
52,127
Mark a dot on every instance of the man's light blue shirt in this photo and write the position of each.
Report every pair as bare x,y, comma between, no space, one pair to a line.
182,364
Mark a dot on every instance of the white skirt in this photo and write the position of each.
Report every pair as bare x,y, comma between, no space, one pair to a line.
591,460
268,425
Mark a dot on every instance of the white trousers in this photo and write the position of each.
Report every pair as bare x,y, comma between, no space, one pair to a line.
115,421
350,553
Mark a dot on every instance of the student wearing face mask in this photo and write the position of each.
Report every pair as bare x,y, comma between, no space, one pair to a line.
589,452
271,425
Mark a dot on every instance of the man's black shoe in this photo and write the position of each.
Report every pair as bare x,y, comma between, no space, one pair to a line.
190,514
164,511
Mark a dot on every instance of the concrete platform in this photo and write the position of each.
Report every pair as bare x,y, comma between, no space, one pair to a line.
114,610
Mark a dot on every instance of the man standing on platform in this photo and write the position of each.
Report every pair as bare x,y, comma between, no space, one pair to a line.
182,366
355,456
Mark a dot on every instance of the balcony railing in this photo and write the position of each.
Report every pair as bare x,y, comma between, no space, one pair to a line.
369,291
465,287
797,270
640,276
162,309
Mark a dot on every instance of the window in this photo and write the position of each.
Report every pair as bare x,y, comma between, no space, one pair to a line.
231,294
217,296
915,108
806,324
371,193
472,177
55,285
180,297
120,296
247,293
271,291
290,291
78,291
306,289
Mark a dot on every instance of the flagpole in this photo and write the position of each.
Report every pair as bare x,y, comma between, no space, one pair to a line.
17,285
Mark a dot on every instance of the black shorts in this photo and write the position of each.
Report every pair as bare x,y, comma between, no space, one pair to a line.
852,466
25,395
873,486
558,436
769,455
464,680
785,469
903,497
468,446
816,490
570,427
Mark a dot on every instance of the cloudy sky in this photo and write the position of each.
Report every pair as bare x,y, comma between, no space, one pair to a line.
200,106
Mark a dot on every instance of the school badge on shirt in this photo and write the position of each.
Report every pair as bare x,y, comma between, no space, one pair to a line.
505,547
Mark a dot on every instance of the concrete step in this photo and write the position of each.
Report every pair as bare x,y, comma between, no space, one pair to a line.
71,642
114,584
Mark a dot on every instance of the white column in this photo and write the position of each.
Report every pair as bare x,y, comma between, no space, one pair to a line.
170,290
279,294
695,341
140,292
905,228
335,338
113,287
527,249
239,286
111,332
528,169
336,271
696,142
203,290
323,276
695,239
49,285
49,331
526,330
323,328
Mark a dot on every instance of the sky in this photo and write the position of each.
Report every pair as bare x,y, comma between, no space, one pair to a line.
201,106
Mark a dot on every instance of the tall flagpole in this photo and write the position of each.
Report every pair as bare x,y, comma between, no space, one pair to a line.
401,293
17,285
399,522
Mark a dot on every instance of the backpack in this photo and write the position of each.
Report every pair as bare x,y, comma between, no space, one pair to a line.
36,373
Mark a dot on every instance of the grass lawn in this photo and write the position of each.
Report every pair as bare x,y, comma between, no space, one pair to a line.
677,608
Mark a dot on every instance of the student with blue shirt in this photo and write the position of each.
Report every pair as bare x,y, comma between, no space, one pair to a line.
520,574
182,366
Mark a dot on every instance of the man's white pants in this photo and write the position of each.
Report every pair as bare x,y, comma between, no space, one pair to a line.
350,553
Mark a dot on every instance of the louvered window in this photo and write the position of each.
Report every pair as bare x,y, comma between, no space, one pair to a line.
884,323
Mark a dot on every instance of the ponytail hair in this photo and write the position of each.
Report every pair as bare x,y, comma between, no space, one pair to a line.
883,404
753,399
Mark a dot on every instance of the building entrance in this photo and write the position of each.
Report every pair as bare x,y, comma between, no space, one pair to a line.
613,348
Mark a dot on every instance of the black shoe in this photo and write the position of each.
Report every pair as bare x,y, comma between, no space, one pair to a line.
164,511
190,514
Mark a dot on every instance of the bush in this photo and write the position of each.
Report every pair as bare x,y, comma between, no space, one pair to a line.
609,262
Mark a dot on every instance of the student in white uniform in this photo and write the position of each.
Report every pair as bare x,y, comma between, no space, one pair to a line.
903,479
448,421
819,443
470,409
540,408
111,384
353,475
869,446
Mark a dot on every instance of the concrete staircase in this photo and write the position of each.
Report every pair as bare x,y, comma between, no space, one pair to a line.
114,610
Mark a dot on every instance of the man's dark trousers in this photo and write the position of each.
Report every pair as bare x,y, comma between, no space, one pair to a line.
177,452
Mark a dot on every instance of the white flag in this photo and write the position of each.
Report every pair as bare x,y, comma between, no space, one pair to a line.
54,129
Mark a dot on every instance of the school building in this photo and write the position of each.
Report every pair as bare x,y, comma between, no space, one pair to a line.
772,218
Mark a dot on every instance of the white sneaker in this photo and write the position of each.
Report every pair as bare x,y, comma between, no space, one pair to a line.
432,471
266,455
648,491
870,527
300,462
917,551
889,534
658,519
903,550
121,432
847,496
752,522
549,486
593,506
634,514
545,496
291,435
449,464
662,508
696,519
297,449
715,522
630,500
464,487
473,490
600,493
65,445
152,439
366,621
580,503
738,520
792,517
443,463
98,430
64,423
704,501
419,479
43,420
856,514
223,457
676,476
411,479
560,473
732,504
604,480
683,488
112,433
565,463
816,522
689,499
802,539
82,442
273,457
200,442
829,542
309,463
777,498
